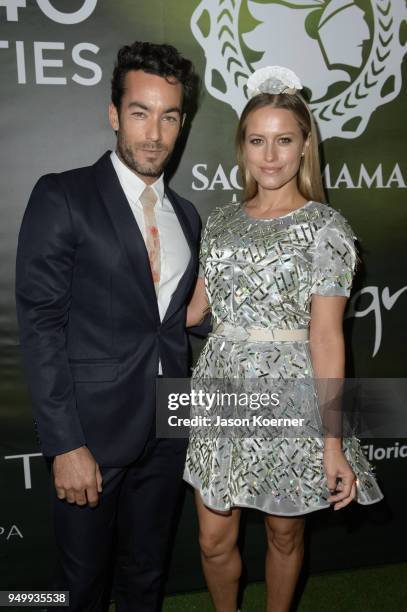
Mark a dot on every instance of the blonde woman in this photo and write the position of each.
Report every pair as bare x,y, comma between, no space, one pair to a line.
276,272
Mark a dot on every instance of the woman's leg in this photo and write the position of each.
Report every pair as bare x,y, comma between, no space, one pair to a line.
285,552
218,533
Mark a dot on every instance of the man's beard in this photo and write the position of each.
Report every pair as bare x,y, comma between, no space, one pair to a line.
152,170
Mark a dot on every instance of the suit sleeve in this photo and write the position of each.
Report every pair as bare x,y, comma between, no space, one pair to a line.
45,261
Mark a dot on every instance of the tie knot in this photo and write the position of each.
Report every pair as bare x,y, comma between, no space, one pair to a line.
148,198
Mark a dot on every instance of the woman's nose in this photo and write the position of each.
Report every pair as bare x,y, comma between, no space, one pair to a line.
269,151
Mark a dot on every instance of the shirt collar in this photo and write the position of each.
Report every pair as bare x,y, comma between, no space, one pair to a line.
132,185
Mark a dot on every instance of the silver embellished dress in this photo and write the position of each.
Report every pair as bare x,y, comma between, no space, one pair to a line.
262,273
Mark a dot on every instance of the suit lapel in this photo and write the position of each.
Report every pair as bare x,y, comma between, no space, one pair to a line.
127,229
131,238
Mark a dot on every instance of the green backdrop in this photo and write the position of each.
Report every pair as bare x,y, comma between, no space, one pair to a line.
55,78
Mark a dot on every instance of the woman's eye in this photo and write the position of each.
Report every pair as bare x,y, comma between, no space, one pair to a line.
285,140
256,141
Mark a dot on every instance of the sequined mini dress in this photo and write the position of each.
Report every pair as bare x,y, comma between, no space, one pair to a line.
262,273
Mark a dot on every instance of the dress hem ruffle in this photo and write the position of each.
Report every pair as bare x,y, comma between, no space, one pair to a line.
209,503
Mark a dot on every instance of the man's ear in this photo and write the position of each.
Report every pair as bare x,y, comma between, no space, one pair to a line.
113,117
181,125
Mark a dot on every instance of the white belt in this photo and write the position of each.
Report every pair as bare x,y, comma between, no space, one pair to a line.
253,334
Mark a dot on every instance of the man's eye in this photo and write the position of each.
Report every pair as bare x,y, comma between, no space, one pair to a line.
171,119
138,114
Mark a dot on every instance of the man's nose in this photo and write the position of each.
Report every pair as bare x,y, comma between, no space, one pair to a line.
153,129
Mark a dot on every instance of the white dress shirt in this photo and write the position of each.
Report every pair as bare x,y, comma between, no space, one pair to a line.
174,250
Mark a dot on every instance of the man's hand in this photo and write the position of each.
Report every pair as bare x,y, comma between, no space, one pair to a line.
77,477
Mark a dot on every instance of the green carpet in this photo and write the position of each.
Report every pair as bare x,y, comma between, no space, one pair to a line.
378,589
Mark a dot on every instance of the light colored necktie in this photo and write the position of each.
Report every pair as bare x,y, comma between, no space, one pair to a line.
148,200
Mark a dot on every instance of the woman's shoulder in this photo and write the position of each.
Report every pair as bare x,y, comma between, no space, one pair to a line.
331,218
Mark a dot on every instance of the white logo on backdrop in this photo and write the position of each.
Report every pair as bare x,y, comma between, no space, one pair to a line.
375,306
26,463
12,11
36,70
328,43
379,453
380,177
9,531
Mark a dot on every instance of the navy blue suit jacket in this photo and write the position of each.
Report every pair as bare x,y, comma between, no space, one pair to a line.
90,330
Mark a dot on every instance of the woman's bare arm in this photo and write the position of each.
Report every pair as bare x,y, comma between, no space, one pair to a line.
327,349
198,307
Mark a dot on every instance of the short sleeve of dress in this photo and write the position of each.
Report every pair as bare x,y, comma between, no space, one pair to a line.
334,258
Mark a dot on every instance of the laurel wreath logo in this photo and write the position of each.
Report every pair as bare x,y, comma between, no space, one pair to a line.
345,115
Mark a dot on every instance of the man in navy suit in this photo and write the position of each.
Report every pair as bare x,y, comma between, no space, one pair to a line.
97,326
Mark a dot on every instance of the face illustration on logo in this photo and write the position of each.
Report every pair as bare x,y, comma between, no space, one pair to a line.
341,31
318,40
343,51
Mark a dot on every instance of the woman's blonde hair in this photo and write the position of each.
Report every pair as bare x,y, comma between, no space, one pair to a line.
309,178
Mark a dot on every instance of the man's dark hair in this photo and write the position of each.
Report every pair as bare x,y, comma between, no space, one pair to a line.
162,60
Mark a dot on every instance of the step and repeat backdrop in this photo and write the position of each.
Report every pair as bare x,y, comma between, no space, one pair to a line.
56,60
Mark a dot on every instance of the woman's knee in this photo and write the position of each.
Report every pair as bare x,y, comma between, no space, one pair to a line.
215,543
285,537
218,531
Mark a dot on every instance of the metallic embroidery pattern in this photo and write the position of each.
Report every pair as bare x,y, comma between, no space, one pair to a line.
262,273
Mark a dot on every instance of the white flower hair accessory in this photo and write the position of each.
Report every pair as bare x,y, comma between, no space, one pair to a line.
273,80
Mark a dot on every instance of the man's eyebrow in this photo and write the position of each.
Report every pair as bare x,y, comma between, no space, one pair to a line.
138,104
172,109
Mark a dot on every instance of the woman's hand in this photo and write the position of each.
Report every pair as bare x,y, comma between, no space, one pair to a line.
336,466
